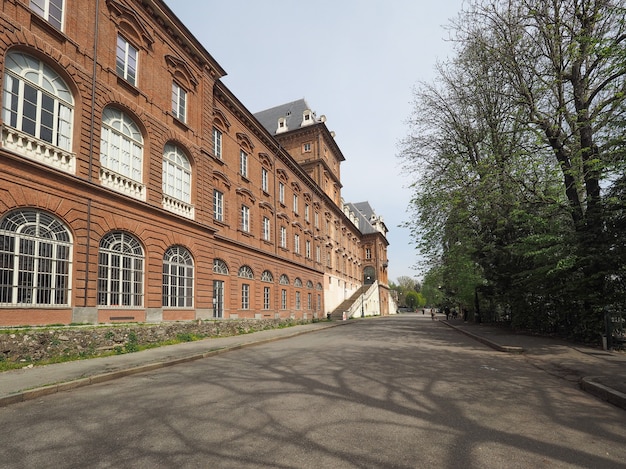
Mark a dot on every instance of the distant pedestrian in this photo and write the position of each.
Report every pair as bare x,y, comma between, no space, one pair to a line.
423,310
432,314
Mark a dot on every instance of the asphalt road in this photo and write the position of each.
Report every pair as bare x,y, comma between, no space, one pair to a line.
402,392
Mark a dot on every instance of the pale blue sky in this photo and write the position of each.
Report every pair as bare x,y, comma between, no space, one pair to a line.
355,61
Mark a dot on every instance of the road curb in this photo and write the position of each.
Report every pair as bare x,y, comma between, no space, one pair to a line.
53,388
590,385
494,345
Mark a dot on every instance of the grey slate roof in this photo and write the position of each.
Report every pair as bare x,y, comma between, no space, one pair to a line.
291,111
365,213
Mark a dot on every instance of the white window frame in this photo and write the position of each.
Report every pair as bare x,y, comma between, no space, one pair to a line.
283,299
176,174
307,249
264,180
178,278
266,229
267,298
245,296
243,163
295,204
296,243
245,218
127,60
283,237
120,271
179,102
50,10
218,205
217,142
281,192
36,258
38,103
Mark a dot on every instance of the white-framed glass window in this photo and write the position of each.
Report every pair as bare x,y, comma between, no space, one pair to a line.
121,144
306,147
306,212
245,218
309,301
178,274
264,180
218,205
245,296
281,192
217,142
179,102
176,173
283,280
50,10
316,220
318,254
36,100
267,276
296,243
283,299
126,60
283,237
243,163
35,259
267,298
266,229
368,253
298,300
295,203
307,249
245,272
120,270
220,267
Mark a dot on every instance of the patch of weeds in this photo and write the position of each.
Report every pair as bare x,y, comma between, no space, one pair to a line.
109,335
185,337
132,344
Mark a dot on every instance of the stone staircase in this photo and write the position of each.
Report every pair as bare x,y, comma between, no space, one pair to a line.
337,314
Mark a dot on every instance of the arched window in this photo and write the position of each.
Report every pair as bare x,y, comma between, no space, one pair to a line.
297,282
39,105
176,174
121,151
177,277
35,255
120,270
267,276
283,280
220,267
245,272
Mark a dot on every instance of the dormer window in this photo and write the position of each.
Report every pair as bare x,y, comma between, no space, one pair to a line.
307,117
282,125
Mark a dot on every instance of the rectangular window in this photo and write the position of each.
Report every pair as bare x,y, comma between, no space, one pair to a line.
295,203
50,10
306,212
266,228
245,219
306,147
316,219
218,205
309,301
266,297
307,248
217,143
245,296
243,167
298,300
296,244
318,254
281,192
283,299
126,63
179,102
264,184
283,237
368,253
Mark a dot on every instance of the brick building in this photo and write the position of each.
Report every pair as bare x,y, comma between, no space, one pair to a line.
134,186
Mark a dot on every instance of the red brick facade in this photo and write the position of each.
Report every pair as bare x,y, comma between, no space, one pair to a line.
151,190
